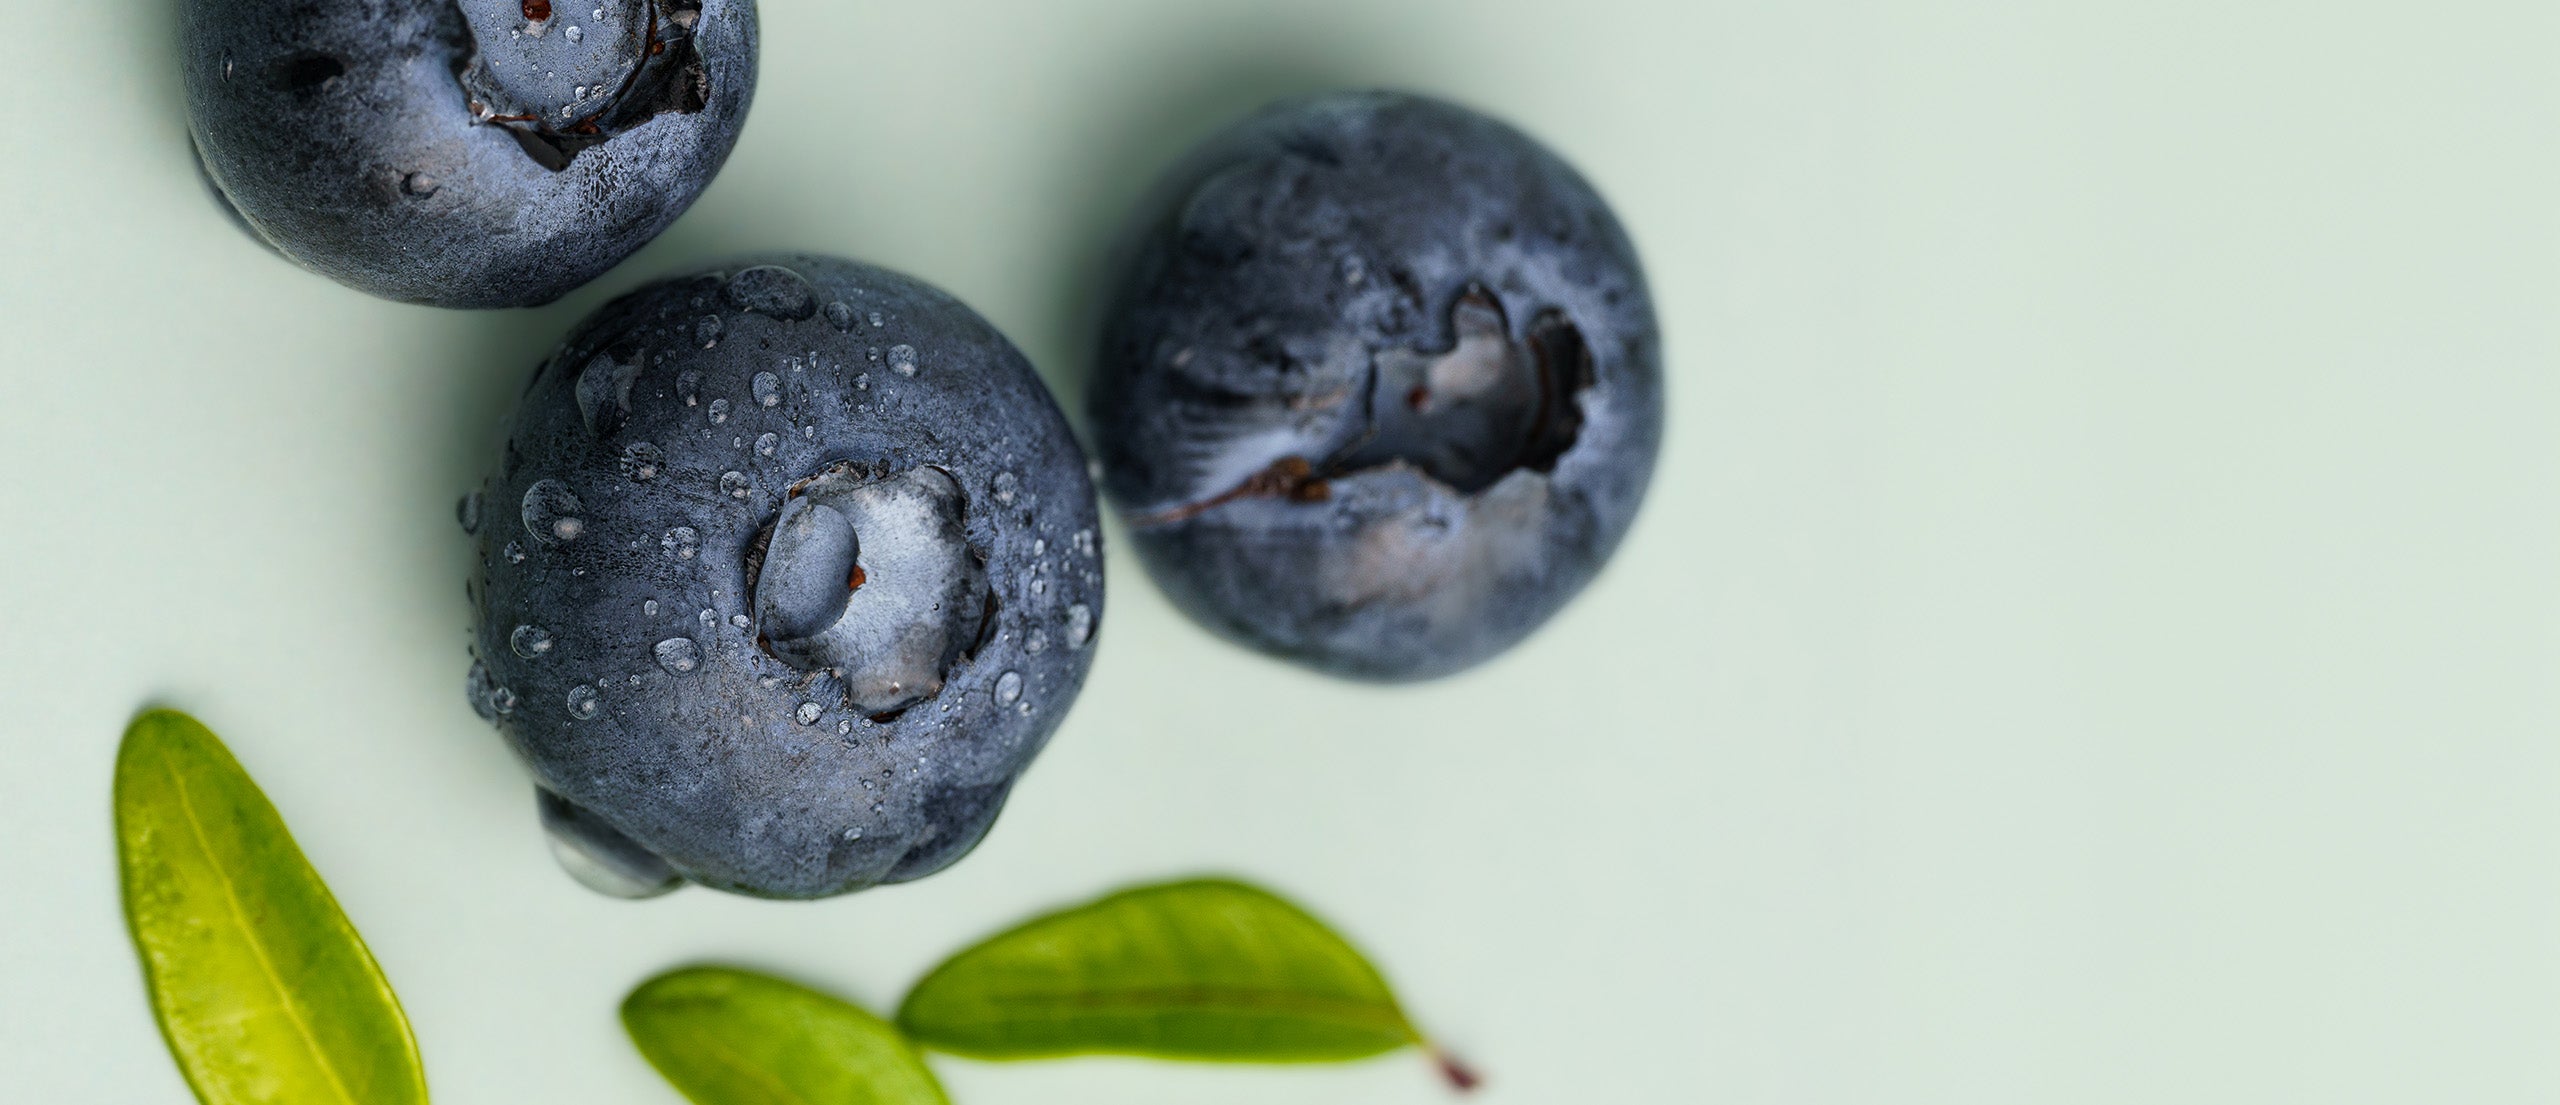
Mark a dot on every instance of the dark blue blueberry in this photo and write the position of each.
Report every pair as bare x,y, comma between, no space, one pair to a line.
788,570
1380,388
465,153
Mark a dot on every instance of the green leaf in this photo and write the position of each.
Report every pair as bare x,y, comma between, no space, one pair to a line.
731,1037
264,991
1205,969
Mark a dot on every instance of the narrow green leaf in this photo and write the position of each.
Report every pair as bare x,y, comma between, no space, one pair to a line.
731,1037
264,991
1205,969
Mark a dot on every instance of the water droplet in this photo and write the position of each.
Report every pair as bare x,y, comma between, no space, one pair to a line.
689,388
420,185
706,331
844,727
862,382
502,700
719,411
766,444
808,713
1039,546
851,834
530,641
739,620
1039,586
574,35
1079,625
681,542
513,552
584,702
839,315
475,690
1083,542
679,655
1037,643
878,320
1008,688
735,485
902,359
773,291
767,388
1006,486
550,512
468,513
650,607
642,461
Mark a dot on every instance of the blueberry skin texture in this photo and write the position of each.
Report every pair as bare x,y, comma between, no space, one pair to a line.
342,135
1283,292
620,644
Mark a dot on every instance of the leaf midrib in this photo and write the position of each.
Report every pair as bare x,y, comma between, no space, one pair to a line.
257,950
1344,1011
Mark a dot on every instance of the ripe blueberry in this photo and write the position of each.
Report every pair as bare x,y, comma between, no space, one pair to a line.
787,571
465,153
1380,387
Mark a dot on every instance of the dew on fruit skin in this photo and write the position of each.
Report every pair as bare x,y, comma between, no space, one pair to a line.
513,552
420,185
808,713
1079,625
574,35
682,543
706,331
530,641
767,443
1008,688
862,381
767,388
1082,542
850,834
735,484
649,607
739,620
689,388
1039,546
878,320
1006,486
902,359
679,655
838,315
844,727
642,461
467,512
503,700
475,690
1039,586
1037,642
550,512
719,411
584,702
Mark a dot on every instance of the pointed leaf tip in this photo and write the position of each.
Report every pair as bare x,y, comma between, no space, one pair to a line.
262,988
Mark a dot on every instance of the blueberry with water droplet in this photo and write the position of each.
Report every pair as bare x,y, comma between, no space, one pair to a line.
861,578
1396,476
463,153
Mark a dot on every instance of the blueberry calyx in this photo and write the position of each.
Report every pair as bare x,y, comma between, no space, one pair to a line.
560,83
869,577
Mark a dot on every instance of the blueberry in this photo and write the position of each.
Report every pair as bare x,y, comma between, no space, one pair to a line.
1380,387
763,612
465,153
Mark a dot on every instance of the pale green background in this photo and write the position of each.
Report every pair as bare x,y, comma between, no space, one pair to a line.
2094,636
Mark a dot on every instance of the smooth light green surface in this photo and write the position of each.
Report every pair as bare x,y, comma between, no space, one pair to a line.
732,1037
2094,637
1199,969
264,991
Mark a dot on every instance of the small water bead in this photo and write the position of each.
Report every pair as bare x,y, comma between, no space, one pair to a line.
1083,542
475,690
1079,625
767,388
649,607
467,512
838,315
902,359
1008,688
1039,546
707,331
641,461
862,381
844,727
530,641
767,443
682,543
513,552
878,320
1039,586
719,411
574,35
1037,643
1007,487
584,703
503,700
679,655
735,485
689,388
739,620
808,713
550,512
